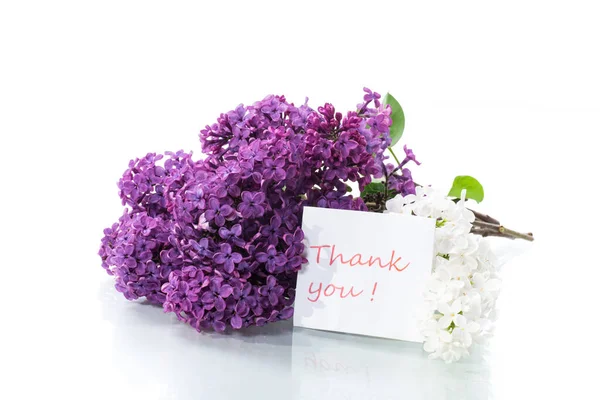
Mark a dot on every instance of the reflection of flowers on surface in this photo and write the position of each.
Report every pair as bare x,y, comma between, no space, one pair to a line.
169,369
461,294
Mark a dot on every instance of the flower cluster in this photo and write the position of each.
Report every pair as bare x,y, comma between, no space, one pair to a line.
218,241
139,250
461,294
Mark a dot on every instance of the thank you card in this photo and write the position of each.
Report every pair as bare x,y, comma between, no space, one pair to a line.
366,272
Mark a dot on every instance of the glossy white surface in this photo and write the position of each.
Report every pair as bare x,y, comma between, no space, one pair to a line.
70,334
507,92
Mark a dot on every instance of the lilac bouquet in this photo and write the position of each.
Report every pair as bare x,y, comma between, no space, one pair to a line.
218,241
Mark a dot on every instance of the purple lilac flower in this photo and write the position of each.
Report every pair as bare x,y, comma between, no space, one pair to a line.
213,320
218,211
272,259
216,294
272,230
201,247
240,310
251,205
410,156
372,96
271,290
245,295
273,169
227,257
232,235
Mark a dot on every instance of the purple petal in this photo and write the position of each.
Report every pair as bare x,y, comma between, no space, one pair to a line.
236,322
218,326
220,304
242,309
229,266
186,305
286,313
280,174
224,232
207,298
259,197
273,299
226,210
236,229
244,209
198,312
225,291
219,258
280,260
213,203
247,289
246,196
273,316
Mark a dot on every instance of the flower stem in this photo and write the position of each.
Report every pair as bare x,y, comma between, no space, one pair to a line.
385,188
394,155
485,217
489,229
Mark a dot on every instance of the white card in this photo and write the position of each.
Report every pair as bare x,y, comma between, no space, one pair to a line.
366,272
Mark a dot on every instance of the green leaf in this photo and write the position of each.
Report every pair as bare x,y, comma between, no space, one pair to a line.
397,128
373,187
474,188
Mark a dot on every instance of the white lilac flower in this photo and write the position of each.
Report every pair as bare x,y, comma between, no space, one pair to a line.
484,284
464,332
451,314
451,352
462,291
442,287
435,337
465,256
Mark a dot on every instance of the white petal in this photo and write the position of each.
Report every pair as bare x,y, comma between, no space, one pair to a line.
470,262
473,327
444,308
460,242
457,306
444,322
478,280
394,205
466,339
444,273
468,215
460,320
445,336
409,198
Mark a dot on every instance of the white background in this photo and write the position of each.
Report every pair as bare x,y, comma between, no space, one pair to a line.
505,91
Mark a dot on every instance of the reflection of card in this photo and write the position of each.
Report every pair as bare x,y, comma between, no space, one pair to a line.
332,366
366,272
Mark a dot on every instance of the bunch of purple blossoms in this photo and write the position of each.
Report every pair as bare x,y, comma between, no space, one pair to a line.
139,248
218,241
